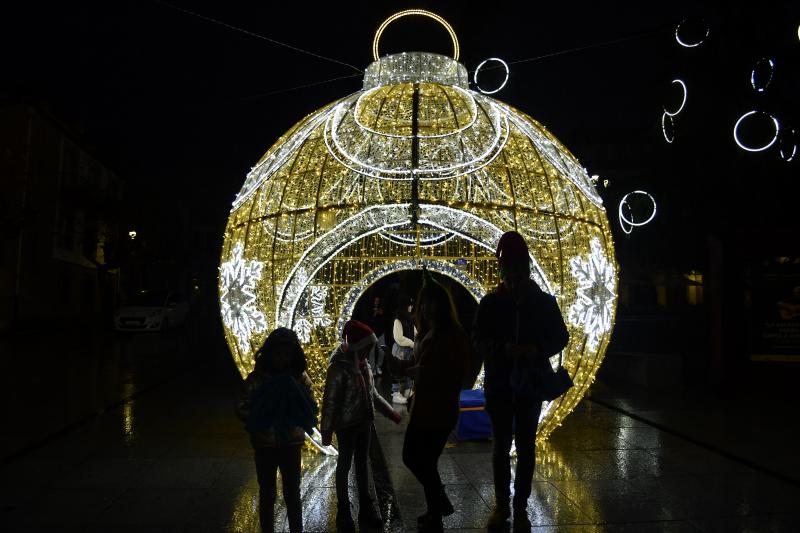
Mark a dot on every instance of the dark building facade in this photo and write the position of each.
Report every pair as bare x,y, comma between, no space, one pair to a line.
61,210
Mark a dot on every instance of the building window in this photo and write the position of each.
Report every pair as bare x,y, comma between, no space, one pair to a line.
694,288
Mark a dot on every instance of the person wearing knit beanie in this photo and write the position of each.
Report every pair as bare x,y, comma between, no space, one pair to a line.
348,409
517,328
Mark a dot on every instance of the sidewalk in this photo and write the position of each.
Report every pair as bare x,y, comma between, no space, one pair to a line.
604,470
176,459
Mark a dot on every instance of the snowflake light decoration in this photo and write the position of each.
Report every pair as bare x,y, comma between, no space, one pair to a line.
594,306
415,169
314,315
238,297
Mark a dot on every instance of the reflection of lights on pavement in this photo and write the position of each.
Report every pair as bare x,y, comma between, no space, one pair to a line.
683,102
316,440
128,418
760,148
244,514
475,76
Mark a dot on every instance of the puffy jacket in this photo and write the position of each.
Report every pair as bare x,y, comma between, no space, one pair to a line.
267,438
345,402
534,319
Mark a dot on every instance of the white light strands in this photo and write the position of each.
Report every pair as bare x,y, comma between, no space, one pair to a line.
787,144
736,133
691,32
762,73
415,169
477,71
237,297
682,86
596,293
668,127
627,221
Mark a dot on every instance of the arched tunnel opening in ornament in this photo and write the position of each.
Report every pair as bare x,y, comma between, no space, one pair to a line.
413,171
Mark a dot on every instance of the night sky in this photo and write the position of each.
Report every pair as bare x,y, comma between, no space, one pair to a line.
182,107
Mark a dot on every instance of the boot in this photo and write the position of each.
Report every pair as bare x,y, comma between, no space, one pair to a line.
344,520
521,523
430,522
500,515
369,517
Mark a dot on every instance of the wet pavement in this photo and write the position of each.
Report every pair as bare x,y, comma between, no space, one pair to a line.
154,446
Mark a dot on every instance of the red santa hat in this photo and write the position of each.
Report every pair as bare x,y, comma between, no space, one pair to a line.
357,336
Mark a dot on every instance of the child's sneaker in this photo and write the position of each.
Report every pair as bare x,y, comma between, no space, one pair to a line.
399,398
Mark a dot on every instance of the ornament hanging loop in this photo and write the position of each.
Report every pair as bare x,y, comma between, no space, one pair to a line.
408,12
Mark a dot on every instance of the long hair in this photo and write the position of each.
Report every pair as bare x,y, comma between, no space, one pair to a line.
446,316
281,337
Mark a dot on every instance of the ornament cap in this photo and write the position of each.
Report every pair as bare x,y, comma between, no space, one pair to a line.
409,67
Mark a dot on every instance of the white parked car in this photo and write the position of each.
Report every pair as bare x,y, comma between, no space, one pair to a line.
152,311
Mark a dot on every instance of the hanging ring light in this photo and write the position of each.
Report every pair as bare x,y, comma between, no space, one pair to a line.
683,102
684,42
668,124
409,12
760,148
475,76
627,224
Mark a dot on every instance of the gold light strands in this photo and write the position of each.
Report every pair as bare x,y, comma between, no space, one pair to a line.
339,203
414,12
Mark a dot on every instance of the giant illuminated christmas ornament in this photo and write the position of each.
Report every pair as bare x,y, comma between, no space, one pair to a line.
413,170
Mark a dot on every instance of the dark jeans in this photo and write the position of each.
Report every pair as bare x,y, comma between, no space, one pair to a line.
353,444
268,460
518,419
421,450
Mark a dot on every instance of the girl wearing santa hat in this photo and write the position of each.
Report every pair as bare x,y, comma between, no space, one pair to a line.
348,409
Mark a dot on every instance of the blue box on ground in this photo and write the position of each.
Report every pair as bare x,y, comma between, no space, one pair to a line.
473,422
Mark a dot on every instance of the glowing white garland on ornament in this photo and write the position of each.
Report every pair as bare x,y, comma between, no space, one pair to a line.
473,111
567,166
475,75
594,304
683,102
402,169
238,297
276,159
762,148
377,219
